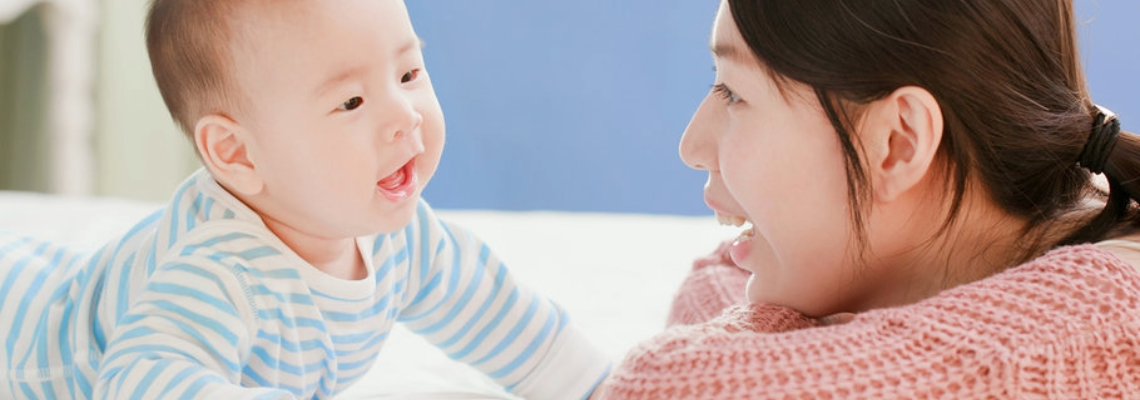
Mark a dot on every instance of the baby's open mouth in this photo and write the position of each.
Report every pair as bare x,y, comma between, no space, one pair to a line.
400,184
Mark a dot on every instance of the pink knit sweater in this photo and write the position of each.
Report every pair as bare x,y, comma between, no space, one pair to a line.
1065,326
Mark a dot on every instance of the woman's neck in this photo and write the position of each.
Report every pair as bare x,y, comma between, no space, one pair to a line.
982,240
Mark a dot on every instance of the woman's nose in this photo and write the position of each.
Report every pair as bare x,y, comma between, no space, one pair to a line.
698,144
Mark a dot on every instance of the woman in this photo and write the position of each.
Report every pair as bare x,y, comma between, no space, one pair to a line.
927,167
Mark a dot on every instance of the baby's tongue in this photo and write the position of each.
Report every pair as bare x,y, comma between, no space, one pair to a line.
392,182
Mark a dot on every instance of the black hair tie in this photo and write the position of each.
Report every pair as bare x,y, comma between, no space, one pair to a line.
1105,129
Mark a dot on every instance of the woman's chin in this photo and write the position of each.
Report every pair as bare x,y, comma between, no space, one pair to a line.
793,299
756,293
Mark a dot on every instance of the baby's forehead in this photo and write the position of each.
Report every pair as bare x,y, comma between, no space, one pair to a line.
251,23
304,43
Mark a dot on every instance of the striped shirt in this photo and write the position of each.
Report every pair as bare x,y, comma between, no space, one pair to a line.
201,300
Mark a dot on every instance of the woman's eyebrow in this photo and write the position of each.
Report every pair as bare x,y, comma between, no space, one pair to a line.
725,51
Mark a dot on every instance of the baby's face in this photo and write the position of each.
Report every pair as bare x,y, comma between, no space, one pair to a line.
345,126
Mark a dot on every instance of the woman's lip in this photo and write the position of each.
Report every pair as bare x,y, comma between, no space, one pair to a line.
741,248
712,204
716,208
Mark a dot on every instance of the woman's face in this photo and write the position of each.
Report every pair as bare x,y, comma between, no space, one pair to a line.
774,161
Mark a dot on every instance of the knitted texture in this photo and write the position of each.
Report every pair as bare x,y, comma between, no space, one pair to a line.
1062,326
714,284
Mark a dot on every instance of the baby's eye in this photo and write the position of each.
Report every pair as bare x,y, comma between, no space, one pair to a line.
351,104
410,76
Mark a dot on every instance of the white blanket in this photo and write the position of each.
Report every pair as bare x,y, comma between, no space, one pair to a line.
614,273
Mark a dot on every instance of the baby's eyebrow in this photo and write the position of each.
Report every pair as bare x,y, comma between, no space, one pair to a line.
339,77
418,43
356,70
415,44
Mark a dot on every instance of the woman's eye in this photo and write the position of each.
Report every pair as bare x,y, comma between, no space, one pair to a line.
410,76
351,104
727,94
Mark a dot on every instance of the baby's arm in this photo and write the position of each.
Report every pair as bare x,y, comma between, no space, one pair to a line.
186,336
467,303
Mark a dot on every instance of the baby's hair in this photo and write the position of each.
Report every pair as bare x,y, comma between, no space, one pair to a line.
188,42
1005,72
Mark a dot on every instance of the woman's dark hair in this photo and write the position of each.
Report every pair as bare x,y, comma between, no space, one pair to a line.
1006,74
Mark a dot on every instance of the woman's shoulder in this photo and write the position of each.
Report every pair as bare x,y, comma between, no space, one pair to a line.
1071,289
1064,271
1069,304
1116,257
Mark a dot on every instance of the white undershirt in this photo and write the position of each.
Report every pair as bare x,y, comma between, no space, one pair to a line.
1127,248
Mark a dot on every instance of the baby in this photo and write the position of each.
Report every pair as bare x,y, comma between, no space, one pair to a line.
278,270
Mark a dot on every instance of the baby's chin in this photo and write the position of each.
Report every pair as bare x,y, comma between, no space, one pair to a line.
392,221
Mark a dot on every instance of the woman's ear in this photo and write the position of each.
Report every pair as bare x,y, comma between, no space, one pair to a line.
906,129
224,148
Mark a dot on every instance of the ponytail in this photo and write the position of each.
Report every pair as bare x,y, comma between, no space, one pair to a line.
1116,154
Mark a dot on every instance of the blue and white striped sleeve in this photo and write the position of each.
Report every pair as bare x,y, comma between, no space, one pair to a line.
464,300
184,337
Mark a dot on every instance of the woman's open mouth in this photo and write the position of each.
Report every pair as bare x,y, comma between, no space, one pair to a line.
742,246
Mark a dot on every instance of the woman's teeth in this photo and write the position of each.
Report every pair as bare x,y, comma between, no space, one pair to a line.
746,234
730,220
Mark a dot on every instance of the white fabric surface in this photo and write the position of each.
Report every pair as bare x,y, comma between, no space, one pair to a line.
614,273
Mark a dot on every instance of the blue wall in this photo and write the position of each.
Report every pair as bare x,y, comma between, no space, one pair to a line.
1110,48
579,105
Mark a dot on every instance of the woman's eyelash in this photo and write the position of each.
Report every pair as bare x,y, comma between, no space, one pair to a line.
726,93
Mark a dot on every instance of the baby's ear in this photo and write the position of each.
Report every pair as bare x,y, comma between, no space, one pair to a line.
224,145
